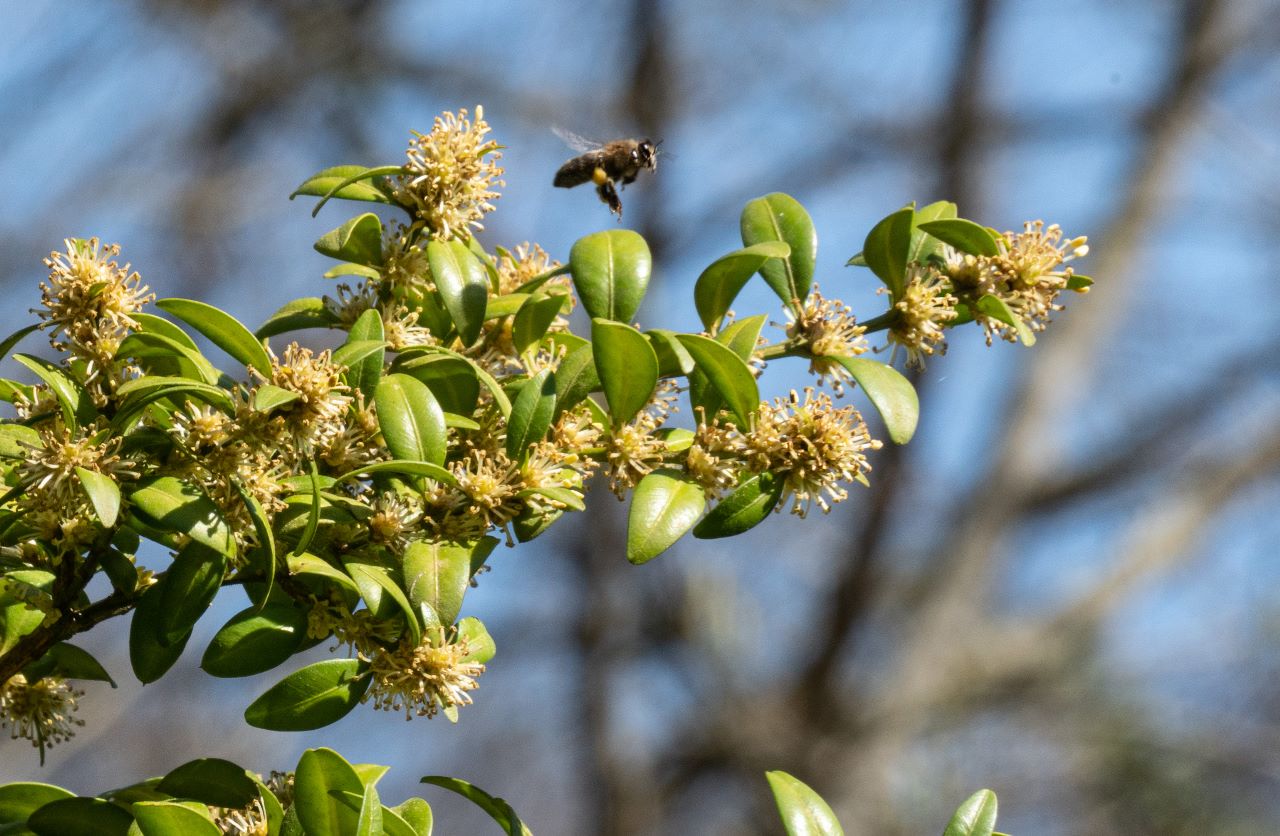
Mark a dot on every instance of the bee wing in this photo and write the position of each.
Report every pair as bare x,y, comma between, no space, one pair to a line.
578,143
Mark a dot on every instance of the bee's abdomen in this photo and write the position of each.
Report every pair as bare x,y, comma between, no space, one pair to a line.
577,171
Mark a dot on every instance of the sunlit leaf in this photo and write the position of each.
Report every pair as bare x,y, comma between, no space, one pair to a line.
975,817
359,240
728,373
720,283
497,808
222,329
611,272
627,367
310,698
664,506
780,217
965,236
211,780
411,419
743,509
463,285
891,394
531,414
803,811
887,248
256,640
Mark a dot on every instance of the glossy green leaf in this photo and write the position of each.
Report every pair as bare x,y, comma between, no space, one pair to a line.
311,697
965,236
416,813
780,217
497,808
256,640
305,565
356,179
173,818
803,811
68,661
364,352
380,592
156,353
411,419
404,467
480,646
673,357
887,248
534,318
741,337
611,271
1079,283
16,337
721,282
221,329
322,775
664,506
16,441
890,393
531,414
923,246
149,658
728,373
170,504
463,284
505,305
80,817
152,324
998,309
314,507
20,799
310,312
187,589
77,406
212,781
575,378
452,380
348,182
627,367
359,240
437,575
268,397
743,509
975,817
370,821
104,494
146,390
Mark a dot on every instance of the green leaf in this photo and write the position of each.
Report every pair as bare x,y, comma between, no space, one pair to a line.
891,394
268,397
611,272
364,352
321,776
1078,282
575,378
534,318
480,646
803,811
437,575
68,661
77,406
664,506
149,658
211,781
104,494
346,182
346,268
721,282
411,419
405,467
304,565
780,217
16,337
356,178
497,808
376,587
187,589
19,800
173,818
359,240
965,236
463,284
370,821
255,641
728,373
157,353
222,329
170,504
146,390
311,697
673,357
417,814
80,817
451,379
975,817
923,246
313,511
310,312
744,509
998,309
531,414
627,367
505,305
887,248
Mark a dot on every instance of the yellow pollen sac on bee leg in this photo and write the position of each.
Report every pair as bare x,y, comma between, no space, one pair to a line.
599,176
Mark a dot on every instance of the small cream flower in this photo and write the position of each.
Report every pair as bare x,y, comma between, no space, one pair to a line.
829,330
425,678
451,175
924,310
318,413
90,300
39,711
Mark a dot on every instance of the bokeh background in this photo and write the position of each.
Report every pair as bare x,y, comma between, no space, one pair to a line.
1064,589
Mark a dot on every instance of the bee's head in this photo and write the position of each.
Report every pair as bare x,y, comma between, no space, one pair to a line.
645,155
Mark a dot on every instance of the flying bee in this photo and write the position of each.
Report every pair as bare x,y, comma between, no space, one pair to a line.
608,165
